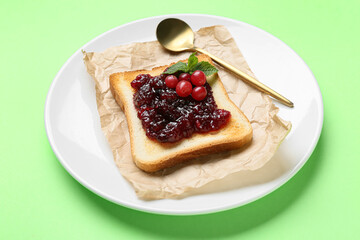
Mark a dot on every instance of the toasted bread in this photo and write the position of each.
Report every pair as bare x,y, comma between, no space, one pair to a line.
150,155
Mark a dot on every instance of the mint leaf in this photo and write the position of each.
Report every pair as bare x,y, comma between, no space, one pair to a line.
192,65
193,60
206,67
179,66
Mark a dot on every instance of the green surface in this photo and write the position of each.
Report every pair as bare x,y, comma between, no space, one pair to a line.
40,200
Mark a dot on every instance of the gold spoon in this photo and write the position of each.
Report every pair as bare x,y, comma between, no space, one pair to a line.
175,35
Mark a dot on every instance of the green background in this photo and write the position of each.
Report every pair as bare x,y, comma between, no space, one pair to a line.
40,200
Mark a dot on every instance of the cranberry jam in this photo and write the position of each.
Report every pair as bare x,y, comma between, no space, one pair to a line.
167,117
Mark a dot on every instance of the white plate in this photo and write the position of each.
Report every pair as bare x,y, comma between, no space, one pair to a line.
74,132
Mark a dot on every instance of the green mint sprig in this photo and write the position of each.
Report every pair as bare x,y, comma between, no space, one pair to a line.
191,66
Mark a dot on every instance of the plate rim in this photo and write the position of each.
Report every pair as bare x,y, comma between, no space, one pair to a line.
149,209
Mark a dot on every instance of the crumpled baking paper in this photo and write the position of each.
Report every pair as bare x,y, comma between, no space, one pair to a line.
268,129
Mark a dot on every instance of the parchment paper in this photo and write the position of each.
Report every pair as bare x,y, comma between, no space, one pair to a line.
268,129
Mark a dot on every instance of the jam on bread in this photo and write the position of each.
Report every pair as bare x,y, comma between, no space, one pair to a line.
169,114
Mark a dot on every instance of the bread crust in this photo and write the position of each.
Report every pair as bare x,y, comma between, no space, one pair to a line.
150,155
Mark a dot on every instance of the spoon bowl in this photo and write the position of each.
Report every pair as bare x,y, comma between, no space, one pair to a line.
177,36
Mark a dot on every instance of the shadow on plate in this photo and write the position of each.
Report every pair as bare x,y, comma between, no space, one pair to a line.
272,170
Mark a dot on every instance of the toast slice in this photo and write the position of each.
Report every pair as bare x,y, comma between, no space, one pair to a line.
150,155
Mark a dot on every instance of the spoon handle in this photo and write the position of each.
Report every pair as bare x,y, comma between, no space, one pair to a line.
248,79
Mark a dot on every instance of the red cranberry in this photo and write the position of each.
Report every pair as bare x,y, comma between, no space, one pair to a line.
198,78
199,93
183,88
184,76
171,81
